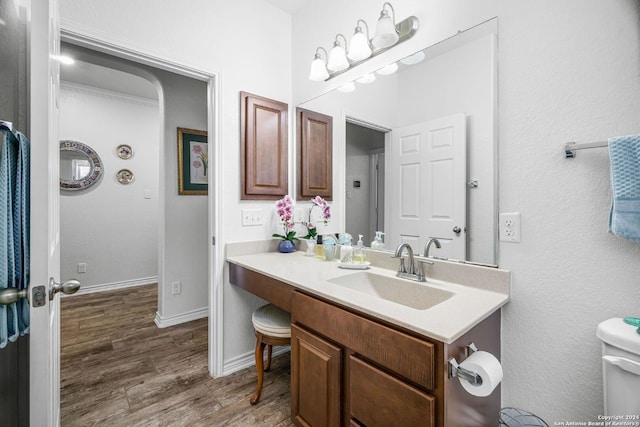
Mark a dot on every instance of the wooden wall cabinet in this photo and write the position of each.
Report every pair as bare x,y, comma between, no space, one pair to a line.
314,153
263,148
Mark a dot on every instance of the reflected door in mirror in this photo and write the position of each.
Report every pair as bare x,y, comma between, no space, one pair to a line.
428,172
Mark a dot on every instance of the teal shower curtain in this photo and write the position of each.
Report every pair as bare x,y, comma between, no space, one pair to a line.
14,231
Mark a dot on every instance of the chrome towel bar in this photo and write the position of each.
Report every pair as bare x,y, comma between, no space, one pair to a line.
571,147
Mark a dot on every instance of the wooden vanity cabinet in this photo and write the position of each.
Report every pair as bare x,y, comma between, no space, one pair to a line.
386,375
377,374
352,369
316,379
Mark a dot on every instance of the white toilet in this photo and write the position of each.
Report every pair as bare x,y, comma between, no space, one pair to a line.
620,367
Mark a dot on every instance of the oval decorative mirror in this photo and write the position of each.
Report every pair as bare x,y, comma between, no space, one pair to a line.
80,166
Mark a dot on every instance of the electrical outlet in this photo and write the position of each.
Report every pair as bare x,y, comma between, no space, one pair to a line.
82,267
252,217
176,288
510,227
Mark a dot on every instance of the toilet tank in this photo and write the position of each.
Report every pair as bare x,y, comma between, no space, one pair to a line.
620,368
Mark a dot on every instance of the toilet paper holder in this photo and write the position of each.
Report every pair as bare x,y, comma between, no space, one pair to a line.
455,370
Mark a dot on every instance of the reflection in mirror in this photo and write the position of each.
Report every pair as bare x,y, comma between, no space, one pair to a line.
80,166
420,149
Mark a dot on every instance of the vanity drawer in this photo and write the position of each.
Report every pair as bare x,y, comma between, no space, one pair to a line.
378,399
401,353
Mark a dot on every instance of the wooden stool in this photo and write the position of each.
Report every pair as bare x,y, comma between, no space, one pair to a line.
272,327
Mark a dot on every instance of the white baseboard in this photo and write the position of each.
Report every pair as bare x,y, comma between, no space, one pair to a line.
116,285
165,322
247,360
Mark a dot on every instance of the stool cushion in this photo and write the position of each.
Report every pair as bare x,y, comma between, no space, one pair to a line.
272,321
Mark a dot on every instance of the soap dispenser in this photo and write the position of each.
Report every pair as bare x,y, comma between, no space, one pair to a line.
377,241
359,255
346,251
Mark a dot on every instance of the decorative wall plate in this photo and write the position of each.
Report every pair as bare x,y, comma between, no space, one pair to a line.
124,176
124,151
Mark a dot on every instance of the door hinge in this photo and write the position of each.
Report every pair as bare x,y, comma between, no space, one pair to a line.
213,240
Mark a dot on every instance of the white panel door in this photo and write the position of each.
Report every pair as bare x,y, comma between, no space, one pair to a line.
427,190
44,353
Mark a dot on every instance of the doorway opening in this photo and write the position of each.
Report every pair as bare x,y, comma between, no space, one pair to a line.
365,180
185,259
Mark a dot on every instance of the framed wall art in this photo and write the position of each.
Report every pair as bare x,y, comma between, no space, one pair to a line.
193,162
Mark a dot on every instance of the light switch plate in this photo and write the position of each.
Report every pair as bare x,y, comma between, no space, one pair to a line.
252,217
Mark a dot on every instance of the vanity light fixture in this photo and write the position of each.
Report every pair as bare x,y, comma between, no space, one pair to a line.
319,71
414,59
386,32
389,69
361,48
338,56
347,87
367,78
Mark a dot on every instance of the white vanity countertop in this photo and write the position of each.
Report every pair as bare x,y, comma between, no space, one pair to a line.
444,322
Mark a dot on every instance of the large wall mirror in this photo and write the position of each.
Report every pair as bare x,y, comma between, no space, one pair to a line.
420,149
80,166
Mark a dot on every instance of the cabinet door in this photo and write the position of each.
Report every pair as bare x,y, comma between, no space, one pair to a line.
263,148
377,399
315,159
315,380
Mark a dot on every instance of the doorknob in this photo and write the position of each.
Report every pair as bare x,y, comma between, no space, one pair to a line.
68,287
11,295
457,229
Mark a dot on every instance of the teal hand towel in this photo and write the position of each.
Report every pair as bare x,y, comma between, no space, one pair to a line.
624,218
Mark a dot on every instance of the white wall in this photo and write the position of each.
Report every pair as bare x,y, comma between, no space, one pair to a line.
186,237
111,227
248,42
568,71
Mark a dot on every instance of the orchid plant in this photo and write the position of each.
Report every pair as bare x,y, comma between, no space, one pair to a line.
284,209
322,204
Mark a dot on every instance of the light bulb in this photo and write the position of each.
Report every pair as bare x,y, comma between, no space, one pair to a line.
318,71
389,69
347,87
367,78
359,48
414,59
386,34
337,58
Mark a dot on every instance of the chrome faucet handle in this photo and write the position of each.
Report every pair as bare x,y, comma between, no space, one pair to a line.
402,268
422,277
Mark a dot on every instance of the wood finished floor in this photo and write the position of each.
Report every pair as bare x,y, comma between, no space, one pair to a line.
119,369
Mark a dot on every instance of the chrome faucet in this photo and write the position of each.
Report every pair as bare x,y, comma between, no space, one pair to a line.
411,272
428,246
398,254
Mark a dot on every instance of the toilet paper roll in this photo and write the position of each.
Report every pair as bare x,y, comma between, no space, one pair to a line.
488,367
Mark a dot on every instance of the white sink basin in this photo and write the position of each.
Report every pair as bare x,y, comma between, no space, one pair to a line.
419,296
